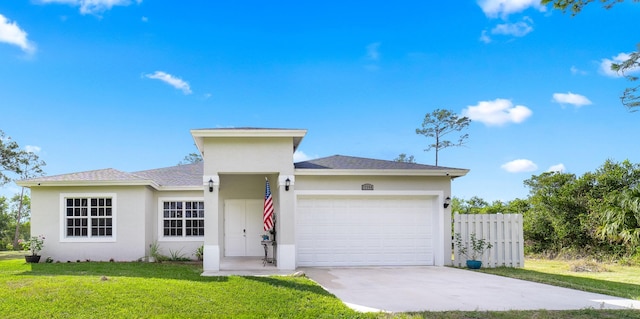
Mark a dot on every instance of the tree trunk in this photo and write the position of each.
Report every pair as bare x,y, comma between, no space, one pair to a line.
437,147
17,234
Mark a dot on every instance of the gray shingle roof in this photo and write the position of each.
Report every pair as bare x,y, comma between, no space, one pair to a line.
181,175
350,162
174,176
190,175
108,174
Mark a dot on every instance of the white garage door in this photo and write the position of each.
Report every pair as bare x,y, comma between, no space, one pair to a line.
364,231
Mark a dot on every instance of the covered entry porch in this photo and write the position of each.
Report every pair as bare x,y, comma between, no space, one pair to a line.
236,161
239,223
246,266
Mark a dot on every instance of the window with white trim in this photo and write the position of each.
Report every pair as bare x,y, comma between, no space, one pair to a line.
183,218
89,217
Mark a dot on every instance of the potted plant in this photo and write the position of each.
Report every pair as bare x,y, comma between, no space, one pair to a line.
34,245
154,252
474,248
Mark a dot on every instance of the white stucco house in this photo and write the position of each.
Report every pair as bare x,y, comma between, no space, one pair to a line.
335,211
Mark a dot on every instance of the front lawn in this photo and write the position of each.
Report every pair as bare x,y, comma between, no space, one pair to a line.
609,279
134,290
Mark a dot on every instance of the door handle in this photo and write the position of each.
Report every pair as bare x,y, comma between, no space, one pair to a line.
244,232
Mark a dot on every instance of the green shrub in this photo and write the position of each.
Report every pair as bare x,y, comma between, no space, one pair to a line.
200,252
177,255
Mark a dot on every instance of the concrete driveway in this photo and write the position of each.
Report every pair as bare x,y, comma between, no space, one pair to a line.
400,289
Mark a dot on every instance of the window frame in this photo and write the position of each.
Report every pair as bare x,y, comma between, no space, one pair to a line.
160,217
89,238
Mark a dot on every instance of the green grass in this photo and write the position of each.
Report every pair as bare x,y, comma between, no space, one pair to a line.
135,290
169,290
616,280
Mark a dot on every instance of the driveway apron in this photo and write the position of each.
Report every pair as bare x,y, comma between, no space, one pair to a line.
401,289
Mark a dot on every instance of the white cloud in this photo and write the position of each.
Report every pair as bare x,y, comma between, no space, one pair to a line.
576,71
497,112
557,168
576,100
373,51
519,166
32,149
171,80
144,19
11,33
503,8
93,6
518,29
605,65
484,37
300,156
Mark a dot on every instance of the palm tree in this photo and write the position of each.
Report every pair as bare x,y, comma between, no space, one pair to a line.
622,223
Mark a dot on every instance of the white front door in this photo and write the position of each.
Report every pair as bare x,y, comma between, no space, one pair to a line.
243,227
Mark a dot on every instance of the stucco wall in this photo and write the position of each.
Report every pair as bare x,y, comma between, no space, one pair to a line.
137,224
248,155
130,230
380,183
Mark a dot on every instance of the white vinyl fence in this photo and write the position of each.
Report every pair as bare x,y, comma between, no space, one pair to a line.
503,231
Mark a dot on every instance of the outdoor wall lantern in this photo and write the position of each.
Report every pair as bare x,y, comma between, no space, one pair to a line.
210,185
447,202
287,183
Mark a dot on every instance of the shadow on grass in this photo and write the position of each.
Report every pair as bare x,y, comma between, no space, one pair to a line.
7,255
174,271
605,287
307,286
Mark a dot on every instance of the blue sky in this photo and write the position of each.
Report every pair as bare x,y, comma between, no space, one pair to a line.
118,84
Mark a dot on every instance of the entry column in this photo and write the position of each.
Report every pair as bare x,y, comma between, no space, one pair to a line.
286,223
211,255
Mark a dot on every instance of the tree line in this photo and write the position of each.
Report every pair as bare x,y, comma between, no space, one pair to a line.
10,219
596,214
16,163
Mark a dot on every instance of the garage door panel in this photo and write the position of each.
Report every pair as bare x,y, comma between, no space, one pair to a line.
357,231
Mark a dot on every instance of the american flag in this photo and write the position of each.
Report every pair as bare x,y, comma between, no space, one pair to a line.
267,215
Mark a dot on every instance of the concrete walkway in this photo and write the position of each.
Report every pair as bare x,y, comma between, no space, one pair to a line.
400,289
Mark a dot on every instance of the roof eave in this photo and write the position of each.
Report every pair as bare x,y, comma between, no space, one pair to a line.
381,172
200,134
87,183
180,188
